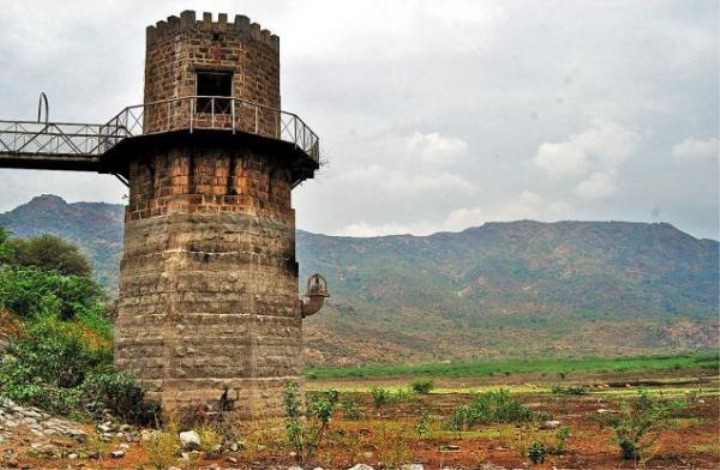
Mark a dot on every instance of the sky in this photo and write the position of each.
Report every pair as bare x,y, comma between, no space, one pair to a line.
433,116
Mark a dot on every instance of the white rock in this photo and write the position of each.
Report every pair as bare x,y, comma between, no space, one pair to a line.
551,425
414,466
104,428
190,440
361,466
295,467
117,454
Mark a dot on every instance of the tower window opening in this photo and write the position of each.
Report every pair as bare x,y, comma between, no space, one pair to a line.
211,88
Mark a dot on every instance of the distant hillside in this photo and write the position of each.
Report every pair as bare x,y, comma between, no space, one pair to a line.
96,227
503,289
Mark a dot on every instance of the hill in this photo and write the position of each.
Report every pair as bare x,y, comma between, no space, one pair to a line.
500,290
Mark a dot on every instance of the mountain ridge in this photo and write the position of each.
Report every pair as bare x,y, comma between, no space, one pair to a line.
521,288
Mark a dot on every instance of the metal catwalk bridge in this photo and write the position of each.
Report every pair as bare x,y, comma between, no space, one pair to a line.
79,147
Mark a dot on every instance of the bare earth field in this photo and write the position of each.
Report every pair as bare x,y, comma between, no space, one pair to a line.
389,436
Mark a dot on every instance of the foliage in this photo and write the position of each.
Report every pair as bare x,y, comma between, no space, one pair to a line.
49,253
305,436
351,409
536,452
53,366
709,359
422,386
392,443
380,396
639,423
571,390
31,292
163,447
120,393
496,406
560,445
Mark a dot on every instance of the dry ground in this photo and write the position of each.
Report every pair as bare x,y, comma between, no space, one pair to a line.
389,434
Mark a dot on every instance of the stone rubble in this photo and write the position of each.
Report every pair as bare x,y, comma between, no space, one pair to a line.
39,423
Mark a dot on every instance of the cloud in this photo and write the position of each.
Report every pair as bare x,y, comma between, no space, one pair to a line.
604,146
435,147
405,182
597,186
696,149
526,205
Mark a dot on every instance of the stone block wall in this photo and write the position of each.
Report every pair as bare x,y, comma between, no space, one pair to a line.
208,289
179,47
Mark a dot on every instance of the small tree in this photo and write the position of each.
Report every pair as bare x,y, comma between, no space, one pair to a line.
638,424
50,253
306,436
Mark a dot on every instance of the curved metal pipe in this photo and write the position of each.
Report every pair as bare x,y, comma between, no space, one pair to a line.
43,100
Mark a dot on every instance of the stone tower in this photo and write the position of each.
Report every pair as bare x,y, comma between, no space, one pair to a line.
209,311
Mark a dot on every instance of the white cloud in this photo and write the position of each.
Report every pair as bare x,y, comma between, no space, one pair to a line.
403,182
435,147
696,149
597,186
526,205
604,146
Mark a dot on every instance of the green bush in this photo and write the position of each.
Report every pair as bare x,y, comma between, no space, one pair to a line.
305,436
571,390
54,367
638,423
423,386
30,292
496,406
380,396
120,393
49,253
351,409
536,452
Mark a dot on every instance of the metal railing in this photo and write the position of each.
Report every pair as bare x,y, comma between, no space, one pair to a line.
55,138
187,113
211,113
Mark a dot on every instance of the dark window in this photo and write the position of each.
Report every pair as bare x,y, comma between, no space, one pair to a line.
210,86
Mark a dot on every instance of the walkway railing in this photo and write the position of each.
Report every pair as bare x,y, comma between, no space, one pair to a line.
54,138
19,138
211,113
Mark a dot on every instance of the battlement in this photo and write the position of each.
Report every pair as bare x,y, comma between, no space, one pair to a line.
187,22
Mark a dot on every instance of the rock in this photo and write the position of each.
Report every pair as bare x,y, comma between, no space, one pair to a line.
602,411
701,402
413,466
368,455
173,468
13,462
551,425
361,466
77,435
231,459
72,456
93,455
117,454
261,448
125,428
104,428
449,448
190,440
295,467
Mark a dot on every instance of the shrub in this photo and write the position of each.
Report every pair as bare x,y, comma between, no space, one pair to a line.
120,393
305,436
49,253
638,424
163,447
380,396
54,367
560,445
536,452
424,386
351,409
490,407
571,390
30,292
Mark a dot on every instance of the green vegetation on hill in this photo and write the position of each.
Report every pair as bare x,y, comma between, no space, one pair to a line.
58,351
503,290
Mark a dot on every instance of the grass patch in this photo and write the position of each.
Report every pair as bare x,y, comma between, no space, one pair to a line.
710,360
